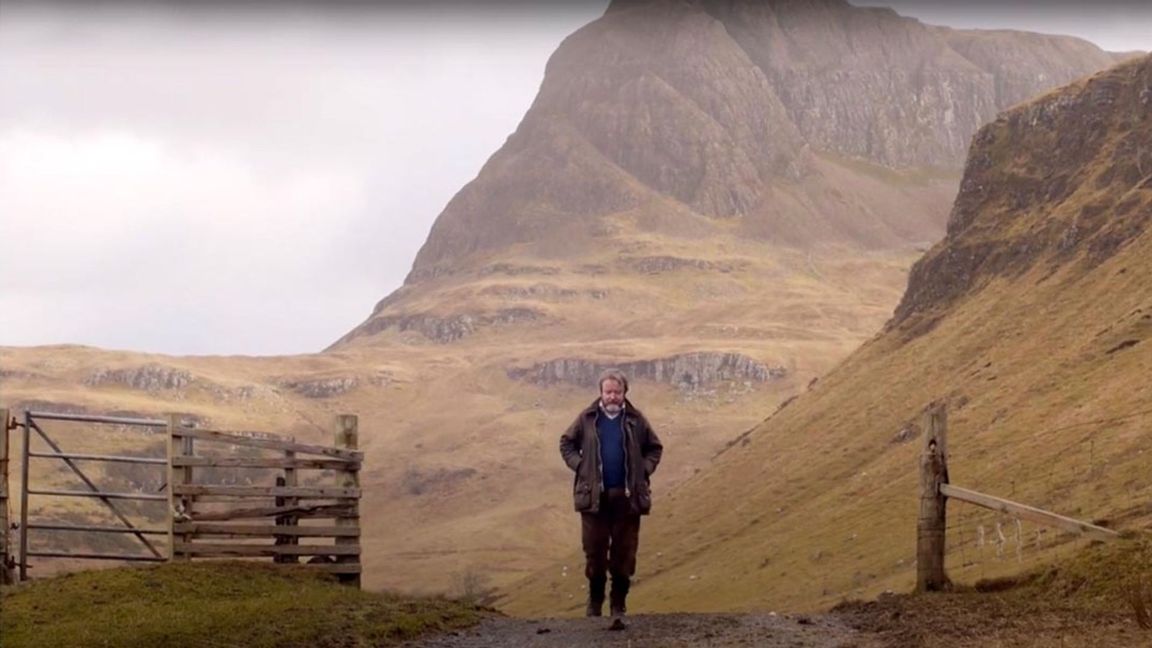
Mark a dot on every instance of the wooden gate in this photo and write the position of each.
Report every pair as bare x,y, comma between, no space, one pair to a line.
314,495
207,522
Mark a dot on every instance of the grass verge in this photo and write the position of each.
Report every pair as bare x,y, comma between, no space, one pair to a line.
215,604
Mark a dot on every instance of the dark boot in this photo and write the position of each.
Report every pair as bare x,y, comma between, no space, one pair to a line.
596,596
619,596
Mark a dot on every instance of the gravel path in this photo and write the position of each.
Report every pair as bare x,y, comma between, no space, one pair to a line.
651,630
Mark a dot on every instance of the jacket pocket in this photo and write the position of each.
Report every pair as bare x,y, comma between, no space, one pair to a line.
643,497
582,495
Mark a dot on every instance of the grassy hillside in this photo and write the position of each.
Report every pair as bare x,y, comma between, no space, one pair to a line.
215,604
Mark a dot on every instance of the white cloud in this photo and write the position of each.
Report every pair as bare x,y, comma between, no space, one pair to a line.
230,185
127,225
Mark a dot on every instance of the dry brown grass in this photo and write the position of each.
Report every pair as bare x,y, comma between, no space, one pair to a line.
1138,593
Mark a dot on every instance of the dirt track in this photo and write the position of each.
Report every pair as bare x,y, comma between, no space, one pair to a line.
663,630
960,620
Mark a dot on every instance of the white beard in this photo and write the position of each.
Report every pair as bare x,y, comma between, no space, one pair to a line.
611,409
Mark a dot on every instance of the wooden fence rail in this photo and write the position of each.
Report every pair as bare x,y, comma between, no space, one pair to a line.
935,491
1032,514
299,512
349,456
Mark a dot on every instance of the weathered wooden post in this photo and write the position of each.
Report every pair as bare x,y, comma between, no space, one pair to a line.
348,438
288,479
172,451
7,577
179,505
25,449
930,576
291,482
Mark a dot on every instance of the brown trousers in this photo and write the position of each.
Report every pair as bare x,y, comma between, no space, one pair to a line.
610,540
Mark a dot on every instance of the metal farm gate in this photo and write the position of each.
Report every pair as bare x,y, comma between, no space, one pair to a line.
30,425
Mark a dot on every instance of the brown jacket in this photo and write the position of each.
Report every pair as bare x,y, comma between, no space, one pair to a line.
580,447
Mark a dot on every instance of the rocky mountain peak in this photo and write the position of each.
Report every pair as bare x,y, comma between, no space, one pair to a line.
796,124
712,105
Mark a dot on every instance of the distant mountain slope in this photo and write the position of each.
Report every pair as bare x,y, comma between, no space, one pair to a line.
1031,320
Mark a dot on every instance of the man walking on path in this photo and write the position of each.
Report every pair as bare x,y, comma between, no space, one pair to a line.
613,451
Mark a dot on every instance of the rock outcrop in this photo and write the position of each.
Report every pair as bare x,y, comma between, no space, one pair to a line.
664,263
149,378
321,387
688,372
444,329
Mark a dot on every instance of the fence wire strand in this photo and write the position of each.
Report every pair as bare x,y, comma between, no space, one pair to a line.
982,543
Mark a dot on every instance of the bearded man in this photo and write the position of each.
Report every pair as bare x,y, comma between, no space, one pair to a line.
613,451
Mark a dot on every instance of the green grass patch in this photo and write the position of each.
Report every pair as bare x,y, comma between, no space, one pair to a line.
216,604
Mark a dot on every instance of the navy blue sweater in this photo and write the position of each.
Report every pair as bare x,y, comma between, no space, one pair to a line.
611,433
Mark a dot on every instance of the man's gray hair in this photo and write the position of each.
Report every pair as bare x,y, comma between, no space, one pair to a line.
613,374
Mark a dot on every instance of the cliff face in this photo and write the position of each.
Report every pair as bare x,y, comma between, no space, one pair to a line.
874,85
715,105
1062,180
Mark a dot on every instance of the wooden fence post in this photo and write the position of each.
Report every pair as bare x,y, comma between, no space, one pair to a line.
25,449
348,437
291,482
179,506
280,520
288,479
930,576
7,577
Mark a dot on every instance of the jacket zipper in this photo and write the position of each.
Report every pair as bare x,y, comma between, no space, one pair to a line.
624,439
599,459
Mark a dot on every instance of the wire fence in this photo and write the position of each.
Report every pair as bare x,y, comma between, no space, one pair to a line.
1101,475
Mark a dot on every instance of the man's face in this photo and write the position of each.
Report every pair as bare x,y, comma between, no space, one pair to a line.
611,396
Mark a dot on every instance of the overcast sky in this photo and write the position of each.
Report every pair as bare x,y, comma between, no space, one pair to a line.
201,182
